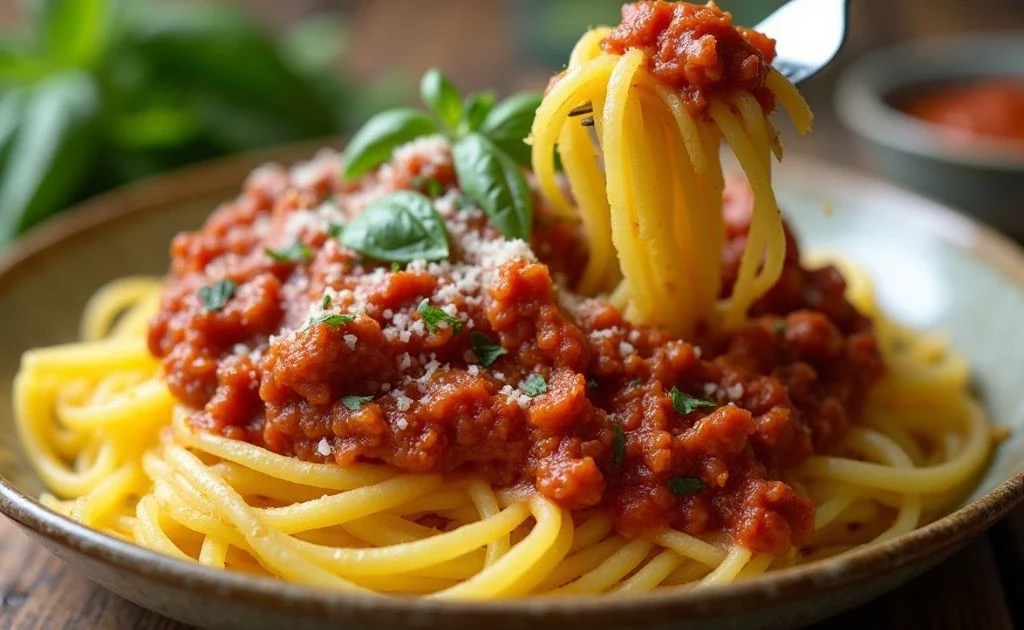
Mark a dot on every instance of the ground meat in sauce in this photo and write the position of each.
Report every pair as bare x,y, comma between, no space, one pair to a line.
785,385
696,49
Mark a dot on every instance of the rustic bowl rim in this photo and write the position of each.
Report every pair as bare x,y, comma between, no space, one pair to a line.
854,568
862,89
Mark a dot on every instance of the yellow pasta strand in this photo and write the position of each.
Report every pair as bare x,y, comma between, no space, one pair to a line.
118,453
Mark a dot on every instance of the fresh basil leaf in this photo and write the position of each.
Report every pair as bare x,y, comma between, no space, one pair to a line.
509,124
401,227
375,141
355,402
433,317
326,301
475,111
485,349
296,252
534,385
685,485
215,296
684,403
495,182
442,97
51,153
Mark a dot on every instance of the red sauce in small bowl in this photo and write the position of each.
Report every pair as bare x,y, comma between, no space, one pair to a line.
991,108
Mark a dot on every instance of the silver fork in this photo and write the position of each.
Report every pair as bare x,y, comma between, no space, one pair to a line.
808,35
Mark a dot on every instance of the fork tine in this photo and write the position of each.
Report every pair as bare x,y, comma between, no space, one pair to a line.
586,108
795,72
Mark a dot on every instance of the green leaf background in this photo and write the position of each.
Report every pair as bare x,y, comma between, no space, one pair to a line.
98,93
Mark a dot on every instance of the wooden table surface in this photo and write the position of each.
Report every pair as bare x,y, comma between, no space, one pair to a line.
981,587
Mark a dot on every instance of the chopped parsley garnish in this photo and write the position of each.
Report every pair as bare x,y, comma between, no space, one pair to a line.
534,385
326,301
296,252
485,349
215,296
685,485
591,383
355,402
619,445
434,316
636,382
334,230
779,326
684,403
395,267
331,319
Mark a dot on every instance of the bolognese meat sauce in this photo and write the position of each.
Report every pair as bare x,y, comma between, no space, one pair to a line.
696,49
486,363
324,355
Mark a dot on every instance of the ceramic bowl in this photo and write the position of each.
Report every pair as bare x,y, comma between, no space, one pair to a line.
983,177
933,268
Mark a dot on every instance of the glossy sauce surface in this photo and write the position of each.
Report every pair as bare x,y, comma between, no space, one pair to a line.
783,386
696,49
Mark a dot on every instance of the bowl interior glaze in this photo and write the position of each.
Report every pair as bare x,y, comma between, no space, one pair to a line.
932,268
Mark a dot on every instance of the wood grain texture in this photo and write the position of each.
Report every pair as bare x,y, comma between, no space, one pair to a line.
37,592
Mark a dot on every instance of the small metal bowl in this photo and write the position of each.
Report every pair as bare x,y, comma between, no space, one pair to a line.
984,177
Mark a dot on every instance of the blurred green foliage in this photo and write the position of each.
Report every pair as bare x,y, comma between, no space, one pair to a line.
101,92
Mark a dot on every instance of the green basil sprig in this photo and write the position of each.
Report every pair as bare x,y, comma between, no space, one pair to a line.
488,140
374,143
96,93
492,179
509,123
442,97
476,109
401,227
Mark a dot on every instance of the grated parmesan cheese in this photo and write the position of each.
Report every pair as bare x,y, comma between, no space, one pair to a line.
402,401
516,396
323,447
735,392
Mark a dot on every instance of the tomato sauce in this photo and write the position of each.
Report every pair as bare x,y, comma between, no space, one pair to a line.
993,108
696,49
783,386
